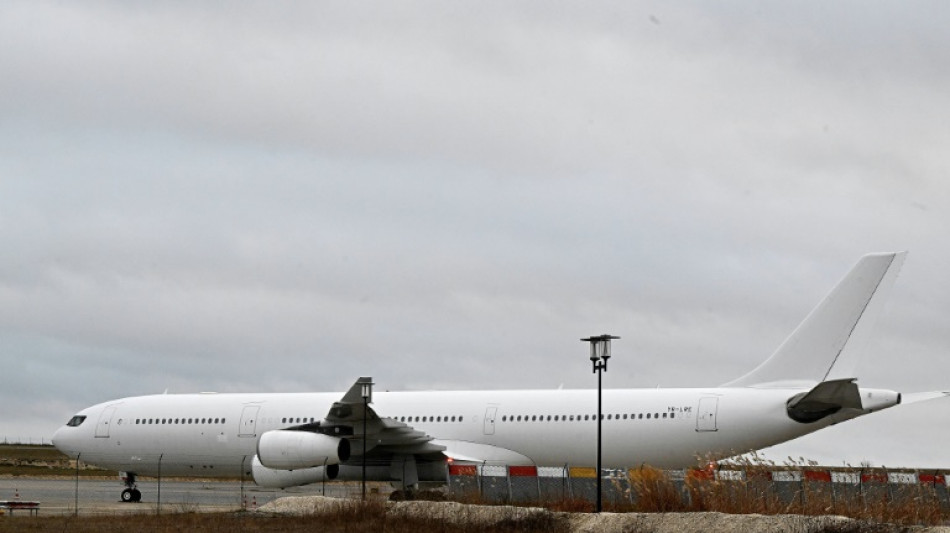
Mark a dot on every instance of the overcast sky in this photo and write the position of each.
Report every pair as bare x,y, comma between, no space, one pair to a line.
286,196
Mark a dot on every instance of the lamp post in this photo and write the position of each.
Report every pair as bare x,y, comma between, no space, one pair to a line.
599,354
366,391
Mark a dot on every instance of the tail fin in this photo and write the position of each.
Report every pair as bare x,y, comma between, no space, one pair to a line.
827,345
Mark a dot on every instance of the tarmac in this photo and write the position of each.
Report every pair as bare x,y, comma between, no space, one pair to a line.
62,496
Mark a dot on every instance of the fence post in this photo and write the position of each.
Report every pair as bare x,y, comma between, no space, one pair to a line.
158,510
570,482
864,494
538,479
888,490
801,490
323,487
478,480
834,499
243,497
77,484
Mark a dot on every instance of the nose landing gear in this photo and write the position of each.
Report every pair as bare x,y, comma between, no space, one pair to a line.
131,492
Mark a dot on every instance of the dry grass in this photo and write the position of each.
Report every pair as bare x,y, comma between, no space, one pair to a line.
353,516
25,460
655,491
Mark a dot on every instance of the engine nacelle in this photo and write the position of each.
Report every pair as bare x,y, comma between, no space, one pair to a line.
283,449
281,479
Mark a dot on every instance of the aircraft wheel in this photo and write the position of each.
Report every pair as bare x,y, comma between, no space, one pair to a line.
136,495
127,495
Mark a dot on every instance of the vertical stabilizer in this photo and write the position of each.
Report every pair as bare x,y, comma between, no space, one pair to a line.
828,344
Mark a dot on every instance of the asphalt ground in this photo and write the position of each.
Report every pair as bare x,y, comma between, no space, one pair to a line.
97,496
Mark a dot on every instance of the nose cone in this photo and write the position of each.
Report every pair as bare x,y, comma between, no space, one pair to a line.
59,439
67,440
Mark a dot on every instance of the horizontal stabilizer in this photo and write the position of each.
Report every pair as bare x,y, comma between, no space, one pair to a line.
915,397
826,398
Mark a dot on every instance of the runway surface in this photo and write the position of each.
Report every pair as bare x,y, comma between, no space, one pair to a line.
98,496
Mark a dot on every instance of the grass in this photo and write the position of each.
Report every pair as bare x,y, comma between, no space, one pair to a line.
912,504
33,460
353,516
653,490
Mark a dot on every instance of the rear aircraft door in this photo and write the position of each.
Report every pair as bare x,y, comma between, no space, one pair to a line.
105,420
490,413
249,421
706,414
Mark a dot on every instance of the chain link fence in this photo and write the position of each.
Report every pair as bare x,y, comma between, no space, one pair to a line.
744,489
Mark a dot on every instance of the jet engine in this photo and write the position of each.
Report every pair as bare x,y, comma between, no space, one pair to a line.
281,479
284,449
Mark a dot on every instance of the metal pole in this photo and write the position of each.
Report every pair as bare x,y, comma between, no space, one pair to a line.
158,510
365,408
599,404
243,496
77,484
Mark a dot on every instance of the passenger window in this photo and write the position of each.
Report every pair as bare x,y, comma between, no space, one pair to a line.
648,416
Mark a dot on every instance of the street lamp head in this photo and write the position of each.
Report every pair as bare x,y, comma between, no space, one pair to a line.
600,347
366,391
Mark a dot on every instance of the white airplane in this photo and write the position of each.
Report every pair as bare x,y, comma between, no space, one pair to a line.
283,440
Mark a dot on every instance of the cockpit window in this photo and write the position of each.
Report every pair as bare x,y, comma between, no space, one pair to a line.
76,420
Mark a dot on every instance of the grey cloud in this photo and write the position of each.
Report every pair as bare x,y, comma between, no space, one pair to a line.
196,198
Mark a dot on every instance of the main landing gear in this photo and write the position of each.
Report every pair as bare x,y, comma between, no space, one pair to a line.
131,493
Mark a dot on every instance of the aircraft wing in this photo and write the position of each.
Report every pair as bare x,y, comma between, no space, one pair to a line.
383,435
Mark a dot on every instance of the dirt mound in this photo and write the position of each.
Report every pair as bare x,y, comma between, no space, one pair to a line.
539,519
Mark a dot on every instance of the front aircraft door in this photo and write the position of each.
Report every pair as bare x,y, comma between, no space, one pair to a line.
706,414
490,413
105,420
249,421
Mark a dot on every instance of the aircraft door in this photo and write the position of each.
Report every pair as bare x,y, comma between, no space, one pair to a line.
105,420
706,414
249,421
490,412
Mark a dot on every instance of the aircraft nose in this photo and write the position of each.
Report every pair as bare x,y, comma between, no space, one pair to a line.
61,440
57,437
